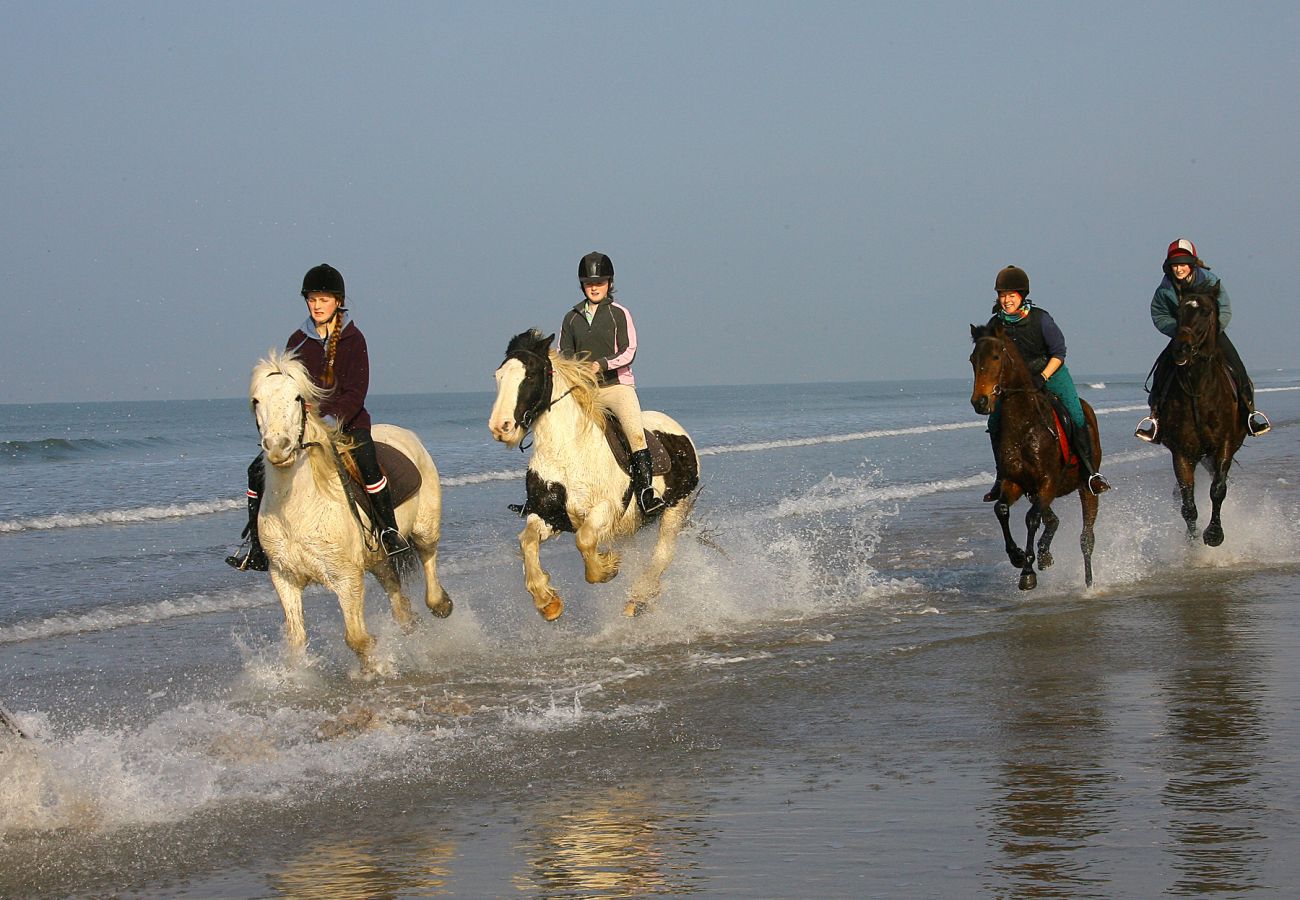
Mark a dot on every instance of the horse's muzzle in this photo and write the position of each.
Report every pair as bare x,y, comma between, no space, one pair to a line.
279,451
506,431
981,404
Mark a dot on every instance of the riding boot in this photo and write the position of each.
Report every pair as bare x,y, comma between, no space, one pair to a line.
381,501
254,557
1256,422
643,484
1083,449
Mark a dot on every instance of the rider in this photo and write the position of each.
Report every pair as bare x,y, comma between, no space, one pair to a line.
601,330
1185,270
1040,341
333,349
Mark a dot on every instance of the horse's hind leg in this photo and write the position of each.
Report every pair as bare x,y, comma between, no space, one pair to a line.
1185,474
547,601
647,585
1213,535
435,595
1087,538
1050,523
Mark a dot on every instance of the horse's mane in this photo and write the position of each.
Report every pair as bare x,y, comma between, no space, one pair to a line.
582,381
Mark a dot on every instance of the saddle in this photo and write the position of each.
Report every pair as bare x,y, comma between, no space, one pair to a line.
403,477
660,463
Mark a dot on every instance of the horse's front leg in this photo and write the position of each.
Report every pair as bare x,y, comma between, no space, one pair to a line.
1213,535
1002,509
1185,474
599,524
1051,521
289,589
647,586
538,582
351,591
1033,518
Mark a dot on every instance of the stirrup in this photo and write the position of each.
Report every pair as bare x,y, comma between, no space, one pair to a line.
393,543
1098,484
253,558
1256,430
651,503
1148,436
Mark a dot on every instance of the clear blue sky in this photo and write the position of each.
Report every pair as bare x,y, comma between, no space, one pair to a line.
789,191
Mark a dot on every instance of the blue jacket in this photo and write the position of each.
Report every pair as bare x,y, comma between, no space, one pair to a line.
1164,305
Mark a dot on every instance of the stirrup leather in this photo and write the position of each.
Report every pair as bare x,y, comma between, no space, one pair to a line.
1144,436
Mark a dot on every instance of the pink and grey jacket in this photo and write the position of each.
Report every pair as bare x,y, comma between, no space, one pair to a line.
609,339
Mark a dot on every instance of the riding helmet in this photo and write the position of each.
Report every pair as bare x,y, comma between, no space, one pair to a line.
324,279
595,266
1181,251
1013,279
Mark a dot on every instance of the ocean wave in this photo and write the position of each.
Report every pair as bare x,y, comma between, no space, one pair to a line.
119,516
60,449
107,619
482,478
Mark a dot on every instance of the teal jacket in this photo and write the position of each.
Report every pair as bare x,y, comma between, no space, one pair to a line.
1164,305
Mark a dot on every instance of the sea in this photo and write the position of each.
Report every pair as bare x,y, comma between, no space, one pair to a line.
840,692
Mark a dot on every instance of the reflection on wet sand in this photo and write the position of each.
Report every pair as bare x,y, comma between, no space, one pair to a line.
616,844
1214,793
394,868
1055,793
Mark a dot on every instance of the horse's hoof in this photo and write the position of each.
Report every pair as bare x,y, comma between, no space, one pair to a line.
1213,536
441,609
1045,560
1028,581
551,611
634,608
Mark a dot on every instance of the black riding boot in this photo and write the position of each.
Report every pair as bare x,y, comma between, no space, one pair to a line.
1083,449
254,557
643,484
382,503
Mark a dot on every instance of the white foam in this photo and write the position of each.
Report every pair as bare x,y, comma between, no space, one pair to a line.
120,516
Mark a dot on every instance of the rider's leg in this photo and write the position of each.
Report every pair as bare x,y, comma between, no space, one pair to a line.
381,498
1256,422
254,557
1149,427
623,403
1062,385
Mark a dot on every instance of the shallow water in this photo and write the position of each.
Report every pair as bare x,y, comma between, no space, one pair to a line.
841,693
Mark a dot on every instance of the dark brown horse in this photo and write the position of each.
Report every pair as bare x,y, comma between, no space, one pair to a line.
1029,457
1200,418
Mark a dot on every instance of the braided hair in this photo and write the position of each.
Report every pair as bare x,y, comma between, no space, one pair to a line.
332,348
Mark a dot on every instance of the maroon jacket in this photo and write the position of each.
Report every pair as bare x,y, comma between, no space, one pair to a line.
347,401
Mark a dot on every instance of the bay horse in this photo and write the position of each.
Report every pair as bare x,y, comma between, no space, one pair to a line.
312,531
1030,460
574,481
1200,416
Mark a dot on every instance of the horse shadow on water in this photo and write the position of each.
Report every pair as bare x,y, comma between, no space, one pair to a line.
575,482
310,526
1200,419
1030,459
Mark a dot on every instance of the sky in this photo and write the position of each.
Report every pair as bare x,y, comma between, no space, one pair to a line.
790,192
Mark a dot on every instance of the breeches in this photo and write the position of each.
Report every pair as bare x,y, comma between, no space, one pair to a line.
623,403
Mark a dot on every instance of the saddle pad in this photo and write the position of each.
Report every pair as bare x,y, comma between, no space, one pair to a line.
1063,438
660,463
403,477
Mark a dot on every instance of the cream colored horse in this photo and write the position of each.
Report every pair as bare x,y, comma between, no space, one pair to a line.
574,482
306,525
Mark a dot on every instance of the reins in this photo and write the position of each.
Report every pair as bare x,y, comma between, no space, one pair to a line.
533,413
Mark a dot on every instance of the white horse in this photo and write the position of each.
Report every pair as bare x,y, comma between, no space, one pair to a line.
307,524
574,481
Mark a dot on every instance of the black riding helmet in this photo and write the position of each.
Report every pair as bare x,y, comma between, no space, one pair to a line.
595,266
1013,278
324,279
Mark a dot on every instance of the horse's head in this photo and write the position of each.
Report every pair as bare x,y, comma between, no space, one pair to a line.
524,381
1198,324
997,365
281,395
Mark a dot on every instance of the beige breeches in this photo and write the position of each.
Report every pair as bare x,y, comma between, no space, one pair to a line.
623,403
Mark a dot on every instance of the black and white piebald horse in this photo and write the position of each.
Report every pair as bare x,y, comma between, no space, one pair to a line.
575,481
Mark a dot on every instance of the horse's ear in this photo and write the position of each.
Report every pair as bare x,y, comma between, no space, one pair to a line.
974,332
546,343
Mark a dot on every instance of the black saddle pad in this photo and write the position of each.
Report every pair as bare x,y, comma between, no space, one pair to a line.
403,477
660,463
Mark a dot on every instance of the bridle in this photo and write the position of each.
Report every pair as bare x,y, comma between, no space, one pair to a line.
302,420
543,405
